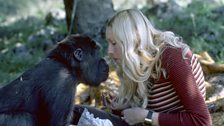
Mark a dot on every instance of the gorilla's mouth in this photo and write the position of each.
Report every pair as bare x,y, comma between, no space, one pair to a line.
104,69
105,76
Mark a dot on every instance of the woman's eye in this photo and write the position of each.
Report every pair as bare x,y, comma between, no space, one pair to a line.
113,43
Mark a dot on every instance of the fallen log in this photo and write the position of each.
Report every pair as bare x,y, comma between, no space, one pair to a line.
208,64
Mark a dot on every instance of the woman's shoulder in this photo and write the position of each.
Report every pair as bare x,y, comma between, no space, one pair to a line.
172,55
171,51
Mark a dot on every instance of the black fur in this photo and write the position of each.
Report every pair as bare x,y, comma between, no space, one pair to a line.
44,94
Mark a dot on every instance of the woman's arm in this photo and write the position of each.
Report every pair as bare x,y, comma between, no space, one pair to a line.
181,76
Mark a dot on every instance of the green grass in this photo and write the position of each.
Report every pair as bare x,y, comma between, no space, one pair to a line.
18,21
200,26
11,8
11,66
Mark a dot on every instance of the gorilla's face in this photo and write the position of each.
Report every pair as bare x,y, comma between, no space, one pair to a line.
95,71
84,57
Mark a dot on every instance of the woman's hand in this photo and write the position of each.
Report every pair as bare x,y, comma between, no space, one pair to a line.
134,115
110,102
107,99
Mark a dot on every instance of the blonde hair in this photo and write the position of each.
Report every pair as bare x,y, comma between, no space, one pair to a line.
141,46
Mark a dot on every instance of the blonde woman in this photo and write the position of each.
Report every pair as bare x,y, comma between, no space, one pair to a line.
162,82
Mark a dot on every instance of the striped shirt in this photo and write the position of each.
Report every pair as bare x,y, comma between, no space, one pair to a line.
179,97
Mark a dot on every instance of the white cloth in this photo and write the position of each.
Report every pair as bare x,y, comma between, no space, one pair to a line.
87,119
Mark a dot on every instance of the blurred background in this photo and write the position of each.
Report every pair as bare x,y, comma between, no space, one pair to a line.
29,28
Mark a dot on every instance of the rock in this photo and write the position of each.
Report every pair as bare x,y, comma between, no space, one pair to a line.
57,37
218,119
210,89
216,104
45,38
21,52
47,44
217,82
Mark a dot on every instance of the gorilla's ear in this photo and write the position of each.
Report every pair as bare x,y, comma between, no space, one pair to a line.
78,53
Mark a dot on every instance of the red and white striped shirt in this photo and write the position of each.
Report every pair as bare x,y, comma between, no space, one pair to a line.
179,98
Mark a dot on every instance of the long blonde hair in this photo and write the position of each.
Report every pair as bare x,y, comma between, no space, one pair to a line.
141,46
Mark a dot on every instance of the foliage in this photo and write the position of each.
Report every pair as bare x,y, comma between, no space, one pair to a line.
10,8
201,24
18,26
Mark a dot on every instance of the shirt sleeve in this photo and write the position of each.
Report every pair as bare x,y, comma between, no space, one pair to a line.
181,76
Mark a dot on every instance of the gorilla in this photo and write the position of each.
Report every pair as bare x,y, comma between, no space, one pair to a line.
44,94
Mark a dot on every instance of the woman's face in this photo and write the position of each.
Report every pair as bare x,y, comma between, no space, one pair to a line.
114,49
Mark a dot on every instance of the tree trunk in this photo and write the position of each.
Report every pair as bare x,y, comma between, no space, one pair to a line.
68,11
90,18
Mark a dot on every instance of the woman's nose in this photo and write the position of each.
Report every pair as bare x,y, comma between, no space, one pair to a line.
110,49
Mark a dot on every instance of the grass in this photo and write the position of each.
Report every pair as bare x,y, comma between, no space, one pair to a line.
19,21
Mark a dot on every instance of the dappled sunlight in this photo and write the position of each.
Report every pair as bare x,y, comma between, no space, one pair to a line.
92,95
26,8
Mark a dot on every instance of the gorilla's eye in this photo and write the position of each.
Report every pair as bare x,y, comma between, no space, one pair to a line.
78,53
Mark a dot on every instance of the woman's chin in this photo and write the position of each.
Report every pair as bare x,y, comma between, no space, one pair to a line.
117,61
